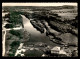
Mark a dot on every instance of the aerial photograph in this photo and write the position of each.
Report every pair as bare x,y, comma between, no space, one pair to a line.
40,29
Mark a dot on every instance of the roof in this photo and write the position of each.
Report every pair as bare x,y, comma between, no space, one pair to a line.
62,52
56,48
43,55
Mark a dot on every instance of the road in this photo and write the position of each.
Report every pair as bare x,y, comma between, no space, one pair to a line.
13,28
4,39
3,43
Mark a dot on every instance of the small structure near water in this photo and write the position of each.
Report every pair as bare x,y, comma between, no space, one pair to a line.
58,50
55,49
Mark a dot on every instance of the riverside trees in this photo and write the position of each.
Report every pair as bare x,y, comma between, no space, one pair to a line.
14,18
15,37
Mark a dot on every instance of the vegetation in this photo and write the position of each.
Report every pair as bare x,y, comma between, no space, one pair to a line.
14,18
11,55
7,16
18,33
14,45
26,35
75,53
9,38
30,53
21,34
43,13
9,26
18,55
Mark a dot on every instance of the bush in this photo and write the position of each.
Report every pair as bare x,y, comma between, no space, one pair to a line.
14,44
15,18
9,37
18,33
11,55
9,26
7,16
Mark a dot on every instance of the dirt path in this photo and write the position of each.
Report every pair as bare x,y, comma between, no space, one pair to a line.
3,42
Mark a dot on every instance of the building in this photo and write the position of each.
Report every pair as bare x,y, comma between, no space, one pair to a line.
55,50
58,50
62,52
43,55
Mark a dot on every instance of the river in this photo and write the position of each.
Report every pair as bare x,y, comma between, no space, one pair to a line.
36,36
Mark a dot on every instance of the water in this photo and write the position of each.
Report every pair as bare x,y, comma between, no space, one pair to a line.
36,36
28,26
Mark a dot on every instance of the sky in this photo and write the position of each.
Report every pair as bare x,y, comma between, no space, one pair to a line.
38,4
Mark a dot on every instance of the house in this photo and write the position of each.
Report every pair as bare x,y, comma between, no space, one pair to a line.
44,55
62,52
55,50
58,50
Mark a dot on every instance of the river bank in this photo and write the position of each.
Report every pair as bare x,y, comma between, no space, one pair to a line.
36,36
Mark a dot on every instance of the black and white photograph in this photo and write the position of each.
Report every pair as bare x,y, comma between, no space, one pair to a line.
40,29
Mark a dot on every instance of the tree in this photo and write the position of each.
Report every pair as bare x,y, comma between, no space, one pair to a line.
11,55
18,33
14,44
9,26
75,53
26,35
